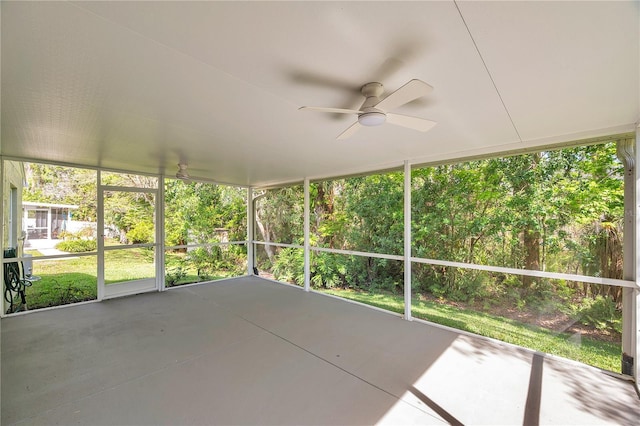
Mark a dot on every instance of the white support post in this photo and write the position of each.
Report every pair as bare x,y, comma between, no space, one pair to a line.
250,227
49,220
2,255
160,233
307,257
100,236
626,154
407,241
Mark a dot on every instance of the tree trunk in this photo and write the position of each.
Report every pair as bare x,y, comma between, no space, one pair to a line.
531,240
264,230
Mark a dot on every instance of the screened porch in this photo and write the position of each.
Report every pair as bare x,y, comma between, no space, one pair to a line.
320,212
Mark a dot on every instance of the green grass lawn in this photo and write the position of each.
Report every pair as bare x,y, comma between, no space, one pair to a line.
128,265
63,281
602,354
74,279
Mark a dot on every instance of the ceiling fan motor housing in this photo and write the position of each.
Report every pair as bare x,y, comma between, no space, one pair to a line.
372,118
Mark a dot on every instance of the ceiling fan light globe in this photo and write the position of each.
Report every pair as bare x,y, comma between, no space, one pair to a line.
372,118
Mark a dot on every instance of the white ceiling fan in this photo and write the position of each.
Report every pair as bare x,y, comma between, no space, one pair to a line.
373,111
183,174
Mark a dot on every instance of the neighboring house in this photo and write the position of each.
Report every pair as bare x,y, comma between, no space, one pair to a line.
46,220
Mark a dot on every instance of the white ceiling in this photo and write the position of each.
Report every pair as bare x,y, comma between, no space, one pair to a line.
142,85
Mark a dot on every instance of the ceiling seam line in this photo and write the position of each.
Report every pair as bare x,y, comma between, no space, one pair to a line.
475,45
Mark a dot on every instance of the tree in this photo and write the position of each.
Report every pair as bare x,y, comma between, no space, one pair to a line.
197,212
62,185
278,216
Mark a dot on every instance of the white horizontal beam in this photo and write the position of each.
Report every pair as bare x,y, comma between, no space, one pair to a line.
279,244
226,243
49,257
130,246
111,188
462,265
358,253
529,273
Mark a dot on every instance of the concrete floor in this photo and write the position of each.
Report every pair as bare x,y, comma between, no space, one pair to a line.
250,351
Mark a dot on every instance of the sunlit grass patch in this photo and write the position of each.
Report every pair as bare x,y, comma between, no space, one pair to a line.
602,354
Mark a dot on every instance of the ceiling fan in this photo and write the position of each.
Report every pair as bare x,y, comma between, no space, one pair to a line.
373,111
183,174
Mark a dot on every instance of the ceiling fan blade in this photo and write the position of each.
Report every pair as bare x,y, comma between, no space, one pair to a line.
415,123
334,110
410,91
350,131
200,179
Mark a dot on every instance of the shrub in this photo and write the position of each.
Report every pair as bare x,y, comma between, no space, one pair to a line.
205,260
141,233
600,313
289,265
327,270
77,246
174,275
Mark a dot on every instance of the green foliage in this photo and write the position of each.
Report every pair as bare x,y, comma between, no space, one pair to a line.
125,211
204,260
554,210
63,281
78,242
208,260
279,215
141,233
289,266
182,267
61,289
77,246
599,312
63,185
174,275
197,213
328,271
